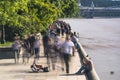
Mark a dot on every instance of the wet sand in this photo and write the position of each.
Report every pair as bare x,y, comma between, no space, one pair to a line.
101,40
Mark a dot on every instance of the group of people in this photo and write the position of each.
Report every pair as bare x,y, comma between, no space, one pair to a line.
29,47
55,48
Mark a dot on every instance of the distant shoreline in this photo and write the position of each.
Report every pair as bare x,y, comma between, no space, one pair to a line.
90,18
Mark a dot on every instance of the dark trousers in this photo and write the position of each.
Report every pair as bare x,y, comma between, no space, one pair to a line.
67,60
37,50
84,69
45,50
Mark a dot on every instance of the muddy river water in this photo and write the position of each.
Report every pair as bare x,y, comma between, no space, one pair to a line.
101,40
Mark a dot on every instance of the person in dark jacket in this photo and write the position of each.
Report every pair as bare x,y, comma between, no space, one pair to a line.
45,43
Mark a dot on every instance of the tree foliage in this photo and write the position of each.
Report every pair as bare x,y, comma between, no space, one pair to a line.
20,17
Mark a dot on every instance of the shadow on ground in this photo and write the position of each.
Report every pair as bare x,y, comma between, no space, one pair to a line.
7,64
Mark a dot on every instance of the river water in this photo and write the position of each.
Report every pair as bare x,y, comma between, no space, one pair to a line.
101,40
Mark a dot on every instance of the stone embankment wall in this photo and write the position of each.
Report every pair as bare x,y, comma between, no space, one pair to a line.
6,53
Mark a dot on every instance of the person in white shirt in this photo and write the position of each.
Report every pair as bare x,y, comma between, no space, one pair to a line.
68,47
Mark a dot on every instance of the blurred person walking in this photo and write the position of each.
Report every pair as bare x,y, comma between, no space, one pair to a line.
51,54
16,48
45,43
68,47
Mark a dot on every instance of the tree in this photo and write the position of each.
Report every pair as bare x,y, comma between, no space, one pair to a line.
21,17
68,8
